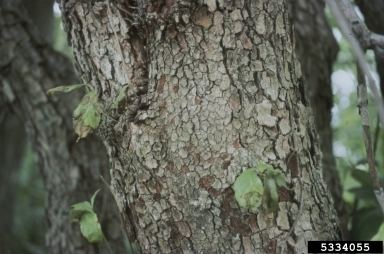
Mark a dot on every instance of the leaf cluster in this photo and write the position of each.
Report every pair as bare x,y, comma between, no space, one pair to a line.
87,115
84,214
257,188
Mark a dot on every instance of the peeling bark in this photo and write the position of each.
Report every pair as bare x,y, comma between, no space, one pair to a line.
70,170
212,87
317,50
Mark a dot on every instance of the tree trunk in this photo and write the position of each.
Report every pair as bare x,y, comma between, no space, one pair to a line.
41,14
28,68
12,140
317,50
211,90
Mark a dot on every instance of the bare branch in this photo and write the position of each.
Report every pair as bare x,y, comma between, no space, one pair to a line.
367,39
358,53
343,10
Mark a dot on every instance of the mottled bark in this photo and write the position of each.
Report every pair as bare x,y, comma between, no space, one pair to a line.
317,50
211,89
373,16
70,170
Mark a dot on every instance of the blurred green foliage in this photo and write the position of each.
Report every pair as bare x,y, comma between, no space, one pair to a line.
60,42
28,222
352,165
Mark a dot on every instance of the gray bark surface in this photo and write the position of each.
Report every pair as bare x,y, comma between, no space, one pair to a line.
70,170
212,88
317,50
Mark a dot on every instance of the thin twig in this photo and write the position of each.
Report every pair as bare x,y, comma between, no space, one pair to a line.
365,78
362,96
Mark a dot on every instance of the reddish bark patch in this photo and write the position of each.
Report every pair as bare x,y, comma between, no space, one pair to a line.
225,164
171,167
293,164
236,143
245,41
198,100
171,32
162,105
140,203
272,246
182,41
284,195
155,188
206,181
160,84
175,88
202,18
162,7
234,103
239,225
252,222
232,216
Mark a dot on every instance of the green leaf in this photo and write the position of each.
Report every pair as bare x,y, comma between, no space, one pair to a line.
64,89
90,227
363,193
79,209
93,197
362,176
366,223
273,179
379,236
249,190
263,167
87,115
280,180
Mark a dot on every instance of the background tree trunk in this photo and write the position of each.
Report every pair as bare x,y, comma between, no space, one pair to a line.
317,50
28,68
211,89
12,139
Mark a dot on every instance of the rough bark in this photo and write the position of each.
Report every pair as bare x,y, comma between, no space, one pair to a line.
70,170
317,50
211,89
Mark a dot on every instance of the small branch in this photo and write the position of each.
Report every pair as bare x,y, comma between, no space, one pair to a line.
343,9
362,96
357,52
376,40
367,39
